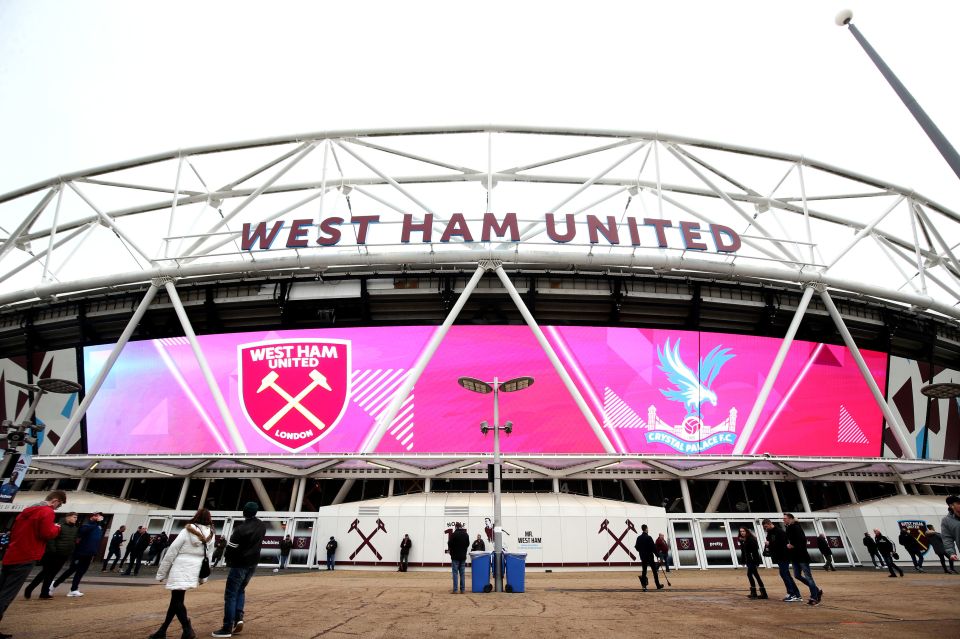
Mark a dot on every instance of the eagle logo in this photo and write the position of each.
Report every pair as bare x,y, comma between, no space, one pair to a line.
692,389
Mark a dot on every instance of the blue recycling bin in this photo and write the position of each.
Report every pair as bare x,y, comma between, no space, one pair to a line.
515,566
480,565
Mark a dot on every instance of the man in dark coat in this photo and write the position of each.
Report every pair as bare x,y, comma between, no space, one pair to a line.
823,545
457,544
88,545
909,543
58,551
776,547
138,544
478,545
286,545
157,546
936,542
242,555
647,550
871,546
331,553
116,540
800,558
405,545
885,548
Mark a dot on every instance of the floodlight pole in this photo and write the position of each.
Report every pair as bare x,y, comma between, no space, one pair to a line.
933,132
497,520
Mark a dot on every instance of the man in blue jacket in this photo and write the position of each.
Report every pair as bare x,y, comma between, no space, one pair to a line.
88,545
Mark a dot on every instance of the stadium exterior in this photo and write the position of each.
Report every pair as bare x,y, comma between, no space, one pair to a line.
490,226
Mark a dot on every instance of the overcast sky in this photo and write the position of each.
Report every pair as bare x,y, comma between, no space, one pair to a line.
87,83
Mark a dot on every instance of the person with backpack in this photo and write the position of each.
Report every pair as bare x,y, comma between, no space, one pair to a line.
181,567
750,557
242,555
58,552
886,549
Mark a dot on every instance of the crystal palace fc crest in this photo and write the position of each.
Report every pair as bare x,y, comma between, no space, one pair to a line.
294,392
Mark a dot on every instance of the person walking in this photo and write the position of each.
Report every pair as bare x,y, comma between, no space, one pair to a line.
31,531
242,555
478,545
58,552
164,541
663,551
647,550
950,525
797,545
157,546
751,558
776,547
885,548
405,545
134,544
457,545
823,545
331,553
910,545
871,547
180,568
88,545
936,542
285,547
116,540
218,547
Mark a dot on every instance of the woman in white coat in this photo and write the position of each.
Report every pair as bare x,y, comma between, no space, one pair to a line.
181,568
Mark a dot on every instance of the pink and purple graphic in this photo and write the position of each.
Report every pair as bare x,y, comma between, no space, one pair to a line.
322,391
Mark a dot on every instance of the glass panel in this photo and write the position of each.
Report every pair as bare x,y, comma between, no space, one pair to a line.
154,527
716,545
302,535
686,554
270,551
735,527
810,530
835,539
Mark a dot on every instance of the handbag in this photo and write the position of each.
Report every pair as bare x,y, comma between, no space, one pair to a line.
205,564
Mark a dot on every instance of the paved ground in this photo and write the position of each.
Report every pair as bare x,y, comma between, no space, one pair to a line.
310,605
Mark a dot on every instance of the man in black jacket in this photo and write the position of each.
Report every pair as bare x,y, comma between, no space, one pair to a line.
885,548
242,555
405,545
777,548
871,546
115,542
58,552
823,545
797,545
936,542
457,544
138,544
647,550
909,543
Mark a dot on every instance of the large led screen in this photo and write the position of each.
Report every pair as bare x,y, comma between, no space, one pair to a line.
322,391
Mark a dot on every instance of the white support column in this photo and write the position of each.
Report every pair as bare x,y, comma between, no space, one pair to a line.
772,374
776,496
56,484
896,426
803,496
718,492
343,492
82,484
204,492
426,485
183,493
556,484
390,488
126,488
901,488
235,438
557,365
589,488
94,388
301,489
635,491
294,489
851,493
266,503
685,491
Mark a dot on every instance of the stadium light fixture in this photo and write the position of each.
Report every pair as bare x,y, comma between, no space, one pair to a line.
25,432
510,386
941,391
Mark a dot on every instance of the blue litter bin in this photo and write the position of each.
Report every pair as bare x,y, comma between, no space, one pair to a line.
480,564
515,564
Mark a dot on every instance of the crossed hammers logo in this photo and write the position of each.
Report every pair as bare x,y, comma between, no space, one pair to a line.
366,540
293,402
617,541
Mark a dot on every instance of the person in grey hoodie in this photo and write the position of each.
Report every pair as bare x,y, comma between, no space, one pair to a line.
936,543
950,527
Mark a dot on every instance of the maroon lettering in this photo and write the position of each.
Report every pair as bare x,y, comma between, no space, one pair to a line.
456,226
329,228
634,231
691,236
297,238
259,234
490,225
660,226
409,226
363,222
718,231
596,228
569,234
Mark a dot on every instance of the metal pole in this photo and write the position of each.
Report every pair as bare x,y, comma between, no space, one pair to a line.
183,493
126,488
936,136
803,496
685,491
301,489
557,365
93,389
589,488
896,426
776,496
497,530
773,373
635,491
851,493
390,488
294,489
204,492
717,495
225,415
901,488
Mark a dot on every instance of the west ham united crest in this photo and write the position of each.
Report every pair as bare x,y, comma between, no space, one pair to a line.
294,392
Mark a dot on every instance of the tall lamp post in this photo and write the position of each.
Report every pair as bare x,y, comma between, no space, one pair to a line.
943,390
15,435
496,387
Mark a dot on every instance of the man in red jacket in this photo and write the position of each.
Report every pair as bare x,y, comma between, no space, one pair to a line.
31,531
